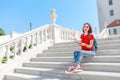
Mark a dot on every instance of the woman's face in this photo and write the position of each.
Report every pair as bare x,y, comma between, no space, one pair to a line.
86,27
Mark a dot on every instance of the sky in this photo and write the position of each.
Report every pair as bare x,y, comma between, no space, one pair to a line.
72,14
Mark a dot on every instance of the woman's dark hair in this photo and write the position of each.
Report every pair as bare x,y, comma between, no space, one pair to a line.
90,28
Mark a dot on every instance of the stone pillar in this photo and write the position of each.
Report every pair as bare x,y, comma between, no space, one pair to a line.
52,33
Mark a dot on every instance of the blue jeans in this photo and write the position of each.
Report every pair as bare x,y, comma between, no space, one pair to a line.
78,55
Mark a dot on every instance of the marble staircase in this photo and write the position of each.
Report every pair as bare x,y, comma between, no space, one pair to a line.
56,59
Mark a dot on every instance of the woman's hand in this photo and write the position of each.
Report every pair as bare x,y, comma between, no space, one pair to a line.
81,44
84,44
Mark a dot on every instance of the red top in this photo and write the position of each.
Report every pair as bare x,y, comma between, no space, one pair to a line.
85,39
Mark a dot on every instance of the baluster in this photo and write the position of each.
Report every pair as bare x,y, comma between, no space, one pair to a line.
37,40
14,48
31,43
44,34
40,36
26,43
21,47
7,52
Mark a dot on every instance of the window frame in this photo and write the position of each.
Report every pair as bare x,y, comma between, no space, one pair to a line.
112,12
110,2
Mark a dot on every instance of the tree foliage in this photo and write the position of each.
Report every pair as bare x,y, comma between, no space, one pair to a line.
2,32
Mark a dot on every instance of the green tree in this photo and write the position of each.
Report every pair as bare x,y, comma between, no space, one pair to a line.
2,32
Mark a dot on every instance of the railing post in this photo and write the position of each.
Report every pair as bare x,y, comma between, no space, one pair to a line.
37,40
52,33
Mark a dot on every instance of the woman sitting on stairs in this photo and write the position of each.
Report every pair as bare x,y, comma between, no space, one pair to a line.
87,48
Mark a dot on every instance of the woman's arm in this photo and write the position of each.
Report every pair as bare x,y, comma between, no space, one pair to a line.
81,44
86,45
90,45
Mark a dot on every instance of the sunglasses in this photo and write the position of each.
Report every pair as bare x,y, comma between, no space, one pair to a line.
86,26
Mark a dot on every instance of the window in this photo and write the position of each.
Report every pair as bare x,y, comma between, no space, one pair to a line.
111,12
114,31
110,2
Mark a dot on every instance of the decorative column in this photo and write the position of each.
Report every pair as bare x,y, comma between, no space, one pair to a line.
53,18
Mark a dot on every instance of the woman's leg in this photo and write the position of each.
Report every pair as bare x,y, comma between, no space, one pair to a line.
78,58
76,62
88,53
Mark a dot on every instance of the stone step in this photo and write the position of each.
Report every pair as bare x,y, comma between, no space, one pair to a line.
102,47
103,59
18,76
110,39
107,42
52,59
53,51
110,51
85,75
107,67
54,54
47,64
65,48
46,72
60,54
112,59
73,46
95,75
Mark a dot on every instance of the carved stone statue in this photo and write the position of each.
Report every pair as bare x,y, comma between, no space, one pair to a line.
53,16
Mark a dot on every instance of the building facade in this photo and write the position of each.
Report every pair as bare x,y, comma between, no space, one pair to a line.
108,11
114,27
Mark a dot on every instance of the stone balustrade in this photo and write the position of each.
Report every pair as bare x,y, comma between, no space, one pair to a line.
49,33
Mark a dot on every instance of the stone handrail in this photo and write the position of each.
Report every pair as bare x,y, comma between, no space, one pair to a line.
23,43
104,33
49,33
61,34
